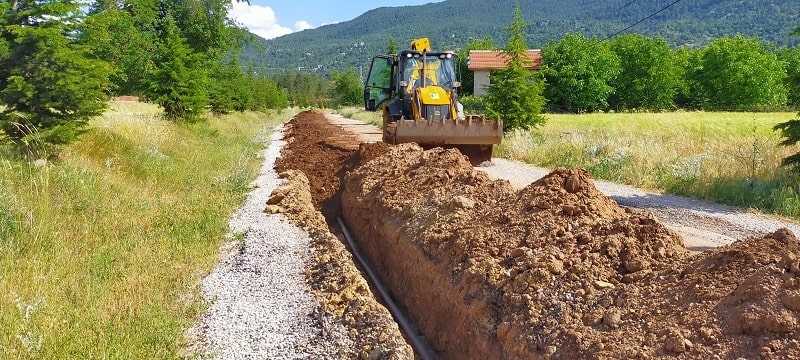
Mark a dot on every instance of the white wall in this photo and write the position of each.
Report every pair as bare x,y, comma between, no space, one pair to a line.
481,82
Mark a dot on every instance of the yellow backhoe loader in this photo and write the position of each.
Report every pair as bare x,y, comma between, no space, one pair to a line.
416,91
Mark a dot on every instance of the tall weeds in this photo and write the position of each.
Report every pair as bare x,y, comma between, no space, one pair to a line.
731,158
102,248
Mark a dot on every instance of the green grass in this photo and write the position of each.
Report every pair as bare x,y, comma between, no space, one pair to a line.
358,113
102,250
731,158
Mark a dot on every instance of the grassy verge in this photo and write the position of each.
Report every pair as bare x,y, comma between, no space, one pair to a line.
101,252
725,157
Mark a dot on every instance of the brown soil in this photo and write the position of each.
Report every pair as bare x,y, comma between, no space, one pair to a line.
556,270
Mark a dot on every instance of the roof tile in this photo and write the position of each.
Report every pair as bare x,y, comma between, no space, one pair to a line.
492,60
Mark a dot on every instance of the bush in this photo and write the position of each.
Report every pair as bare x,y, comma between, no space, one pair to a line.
473,104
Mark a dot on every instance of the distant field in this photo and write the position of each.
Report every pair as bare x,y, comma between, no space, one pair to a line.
102,250
731,158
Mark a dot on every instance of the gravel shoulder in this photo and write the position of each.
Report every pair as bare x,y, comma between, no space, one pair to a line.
702,224
259,303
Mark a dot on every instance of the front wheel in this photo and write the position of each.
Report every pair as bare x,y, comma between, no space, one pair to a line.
389,129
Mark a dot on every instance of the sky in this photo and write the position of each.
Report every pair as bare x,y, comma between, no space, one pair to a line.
272,18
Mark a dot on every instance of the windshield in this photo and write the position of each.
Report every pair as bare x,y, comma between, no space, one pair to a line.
439,70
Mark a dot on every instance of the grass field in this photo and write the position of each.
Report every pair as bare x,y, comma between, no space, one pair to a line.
102,250
731,158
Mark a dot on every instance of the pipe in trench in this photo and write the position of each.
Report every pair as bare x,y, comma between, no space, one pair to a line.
419,344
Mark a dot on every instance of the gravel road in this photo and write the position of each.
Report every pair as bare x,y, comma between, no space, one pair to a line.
260,306
702,224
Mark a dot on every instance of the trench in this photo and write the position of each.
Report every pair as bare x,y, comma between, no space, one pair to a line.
437,327
324,153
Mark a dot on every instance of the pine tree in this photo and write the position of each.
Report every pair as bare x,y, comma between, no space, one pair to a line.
50,85
515,94
179,83
392,48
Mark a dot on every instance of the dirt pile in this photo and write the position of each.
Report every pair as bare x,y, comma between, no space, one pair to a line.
522,265
556,270
337,283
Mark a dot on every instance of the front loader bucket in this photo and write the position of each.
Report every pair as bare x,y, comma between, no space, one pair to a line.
474,130
473,136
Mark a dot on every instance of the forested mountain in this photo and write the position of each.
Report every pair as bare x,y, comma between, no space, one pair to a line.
453,23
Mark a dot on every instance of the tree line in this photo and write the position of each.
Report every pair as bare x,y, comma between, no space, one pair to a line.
61,60
635,72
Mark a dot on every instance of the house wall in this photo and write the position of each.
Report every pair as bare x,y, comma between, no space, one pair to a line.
481,82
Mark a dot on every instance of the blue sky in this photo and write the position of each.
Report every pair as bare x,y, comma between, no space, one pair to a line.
273,18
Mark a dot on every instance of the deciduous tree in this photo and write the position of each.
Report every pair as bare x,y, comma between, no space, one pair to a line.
112,35
649,75
579,73
346,88
737,74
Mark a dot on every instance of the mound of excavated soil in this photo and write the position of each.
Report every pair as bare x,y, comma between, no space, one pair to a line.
520,265
556,270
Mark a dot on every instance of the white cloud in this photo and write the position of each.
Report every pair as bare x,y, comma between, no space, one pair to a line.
302,25
260,20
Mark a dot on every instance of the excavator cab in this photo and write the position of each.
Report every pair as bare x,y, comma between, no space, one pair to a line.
417,92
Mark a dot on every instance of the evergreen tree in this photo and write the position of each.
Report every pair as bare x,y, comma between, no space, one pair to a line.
790,131
49,84
515,95
178,83
228,90
392,48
